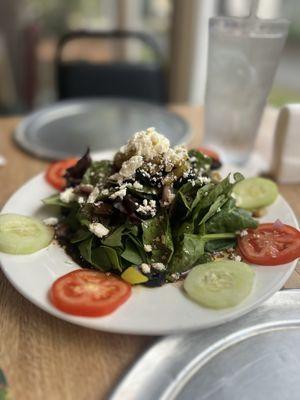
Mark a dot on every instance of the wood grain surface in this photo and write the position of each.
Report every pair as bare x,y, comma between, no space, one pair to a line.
44,357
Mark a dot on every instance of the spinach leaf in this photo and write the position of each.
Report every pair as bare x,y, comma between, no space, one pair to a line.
221,244
201,194
54,200
71,218
214,208
80,235
98,173
230,219
132,252
106,258
114,239
157,234
85,249
192,248
189,250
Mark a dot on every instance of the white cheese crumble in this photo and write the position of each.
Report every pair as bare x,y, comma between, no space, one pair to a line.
147,144
81,200
235,257
98,229
51,221
145,268
242,233
137,185
147,248
130,166
148,207
159,266
121,193
93,196
105,192
204,179
175,157
67,195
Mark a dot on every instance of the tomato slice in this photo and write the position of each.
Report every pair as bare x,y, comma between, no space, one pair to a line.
210,153
270,244
56,171
89,293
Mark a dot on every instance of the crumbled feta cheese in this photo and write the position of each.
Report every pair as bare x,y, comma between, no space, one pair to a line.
98,229
67,195
146,269
147,248
235,257
130,166
147,144
93,196
121,193
175,157
81,200
137,185
204,179
159,266
147,207
175,276
105,192
242,233
51,221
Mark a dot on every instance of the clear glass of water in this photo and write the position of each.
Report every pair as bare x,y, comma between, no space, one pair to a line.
242,59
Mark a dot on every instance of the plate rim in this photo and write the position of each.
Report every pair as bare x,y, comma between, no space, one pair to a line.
144,331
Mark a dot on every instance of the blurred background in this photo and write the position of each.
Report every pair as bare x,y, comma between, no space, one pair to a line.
31,29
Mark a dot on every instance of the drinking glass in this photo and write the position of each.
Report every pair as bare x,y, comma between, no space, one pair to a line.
242,59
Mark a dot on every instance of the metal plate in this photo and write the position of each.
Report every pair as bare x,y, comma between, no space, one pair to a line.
67,128
256,357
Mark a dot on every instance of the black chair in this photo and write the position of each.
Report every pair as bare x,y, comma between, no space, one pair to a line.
137,80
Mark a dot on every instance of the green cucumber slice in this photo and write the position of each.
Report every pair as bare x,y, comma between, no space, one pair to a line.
254,193
23,235
219,284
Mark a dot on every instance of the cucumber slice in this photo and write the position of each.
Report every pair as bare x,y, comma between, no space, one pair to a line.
219,284
254,193
23,235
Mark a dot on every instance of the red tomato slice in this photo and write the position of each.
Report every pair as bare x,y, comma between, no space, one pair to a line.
270,244
56,171
89,293
210,153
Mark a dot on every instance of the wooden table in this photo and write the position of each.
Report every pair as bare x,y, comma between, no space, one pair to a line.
44,357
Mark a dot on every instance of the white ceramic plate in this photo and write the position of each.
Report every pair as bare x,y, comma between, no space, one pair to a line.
153,311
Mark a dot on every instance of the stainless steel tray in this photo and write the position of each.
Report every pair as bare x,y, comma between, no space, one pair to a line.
256,357
67,128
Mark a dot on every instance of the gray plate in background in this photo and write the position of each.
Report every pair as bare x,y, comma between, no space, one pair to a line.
256,357
67,128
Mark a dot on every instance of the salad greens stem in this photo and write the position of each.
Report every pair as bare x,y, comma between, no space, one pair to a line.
216,236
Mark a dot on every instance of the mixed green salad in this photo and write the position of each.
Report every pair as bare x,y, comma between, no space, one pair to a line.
150,214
